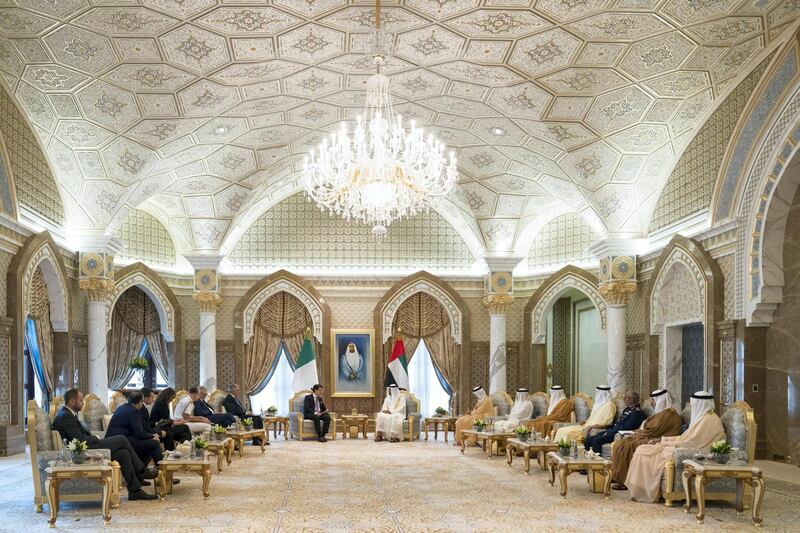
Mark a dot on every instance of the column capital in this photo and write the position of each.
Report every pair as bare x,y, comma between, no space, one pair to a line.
617,293
497,303
207,301
96,288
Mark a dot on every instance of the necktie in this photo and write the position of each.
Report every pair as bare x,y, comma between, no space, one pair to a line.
316,403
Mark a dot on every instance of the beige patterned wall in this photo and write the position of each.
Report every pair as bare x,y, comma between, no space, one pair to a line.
80,308
146,239
36,188
727,264
225,318
563,240
352,311
634,320
689,188
680,297
5,260
191,317
297,233
479,319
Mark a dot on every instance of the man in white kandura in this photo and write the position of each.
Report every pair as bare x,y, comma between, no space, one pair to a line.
602,415
389,422
521,410
647,464
351,365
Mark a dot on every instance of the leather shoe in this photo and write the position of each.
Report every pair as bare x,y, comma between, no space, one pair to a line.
149,474
145,483
619,486
141,495
176,481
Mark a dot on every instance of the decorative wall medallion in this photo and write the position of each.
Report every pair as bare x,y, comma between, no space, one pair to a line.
205,280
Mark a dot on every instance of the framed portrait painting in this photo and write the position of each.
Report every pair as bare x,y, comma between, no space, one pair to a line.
353,365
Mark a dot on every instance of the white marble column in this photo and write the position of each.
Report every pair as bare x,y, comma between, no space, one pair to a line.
97,290
497,353
498,305
617,346
208,303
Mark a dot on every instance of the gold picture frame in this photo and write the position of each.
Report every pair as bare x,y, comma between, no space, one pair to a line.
351,377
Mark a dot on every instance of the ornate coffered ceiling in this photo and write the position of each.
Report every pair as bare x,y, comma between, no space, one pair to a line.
200,111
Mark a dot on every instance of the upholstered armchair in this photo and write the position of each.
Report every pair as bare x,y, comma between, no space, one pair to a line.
740,431
413,421
117,399
502,406
45,446
540,401
581,409
95,415
216,400
299,427
55,405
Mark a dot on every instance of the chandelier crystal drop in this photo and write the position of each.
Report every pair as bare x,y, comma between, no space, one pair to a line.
379,172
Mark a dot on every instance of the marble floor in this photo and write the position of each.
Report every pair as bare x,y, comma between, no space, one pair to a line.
358,485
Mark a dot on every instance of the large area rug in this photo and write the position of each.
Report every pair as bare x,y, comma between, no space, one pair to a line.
358,485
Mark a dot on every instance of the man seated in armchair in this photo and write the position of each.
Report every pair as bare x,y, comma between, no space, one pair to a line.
521,410
234,406
630,419
559,410
127,421
666,422
389,422
202,408
185,409
484,408
169,432
602,415
314,409
647,465
133,469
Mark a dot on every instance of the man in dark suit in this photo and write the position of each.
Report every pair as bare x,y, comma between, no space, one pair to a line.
202,408
169,433
630,419
133,470
314,409
234,406
127,421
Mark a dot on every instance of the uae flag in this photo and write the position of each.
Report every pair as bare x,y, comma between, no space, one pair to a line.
397,372
305,374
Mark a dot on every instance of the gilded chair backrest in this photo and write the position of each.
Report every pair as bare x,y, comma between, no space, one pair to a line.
181,394
93,412
117,399
40,430
540,401
502,403
55,405
582,407
740,427
216,399
619,402
413,404
296,401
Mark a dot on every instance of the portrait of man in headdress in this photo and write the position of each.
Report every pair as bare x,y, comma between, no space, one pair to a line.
351,365
353,358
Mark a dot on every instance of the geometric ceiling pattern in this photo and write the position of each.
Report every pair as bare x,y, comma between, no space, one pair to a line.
565,239
145,239
194,110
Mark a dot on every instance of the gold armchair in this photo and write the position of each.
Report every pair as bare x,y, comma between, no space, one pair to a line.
301,428
216,400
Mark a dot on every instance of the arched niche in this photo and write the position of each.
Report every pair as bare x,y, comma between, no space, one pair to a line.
534,318
39,252
167,305
457,313
685,288
245,311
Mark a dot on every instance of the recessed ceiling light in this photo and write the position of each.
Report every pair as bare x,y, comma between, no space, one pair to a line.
221,130
497,130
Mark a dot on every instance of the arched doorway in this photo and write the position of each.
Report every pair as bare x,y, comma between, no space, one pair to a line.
432,315
564,337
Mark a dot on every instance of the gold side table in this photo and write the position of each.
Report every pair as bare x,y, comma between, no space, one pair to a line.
221,449
702,472
567,465
357,421
489,438
241,435
276,422
58,472
447,422
168,466
539,447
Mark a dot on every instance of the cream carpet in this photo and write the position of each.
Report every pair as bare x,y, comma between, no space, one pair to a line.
358,485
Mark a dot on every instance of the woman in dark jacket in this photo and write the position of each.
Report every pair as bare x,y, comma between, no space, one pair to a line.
160,411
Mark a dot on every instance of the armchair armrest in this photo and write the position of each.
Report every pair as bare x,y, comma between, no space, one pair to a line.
496,418
559,425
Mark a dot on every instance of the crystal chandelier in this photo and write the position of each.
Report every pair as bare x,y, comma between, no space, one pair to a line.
382,172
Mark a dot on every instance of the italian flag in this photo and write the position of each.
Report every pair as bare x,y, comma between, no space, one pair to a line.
305,374
397,372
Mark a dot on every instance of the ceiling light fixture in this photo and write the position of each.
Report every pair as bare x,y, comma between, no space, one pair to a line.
497,130
381,172
221,130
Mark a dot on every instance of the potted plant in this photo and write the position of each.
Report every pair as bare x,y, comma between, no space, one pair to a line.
200,446
440,411
523,432
721,450
247,423
479,424
272,410
564,447
139,364
217,432
77,450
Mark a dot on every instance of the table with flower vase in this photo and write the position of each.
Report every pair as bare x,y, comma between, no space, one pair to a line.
489,438
703,471
539,447
185,463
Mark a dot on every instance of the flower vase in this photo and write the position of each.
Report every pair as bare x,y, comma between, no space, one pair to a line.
564,451
199,453
721,458
77,457
523,437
